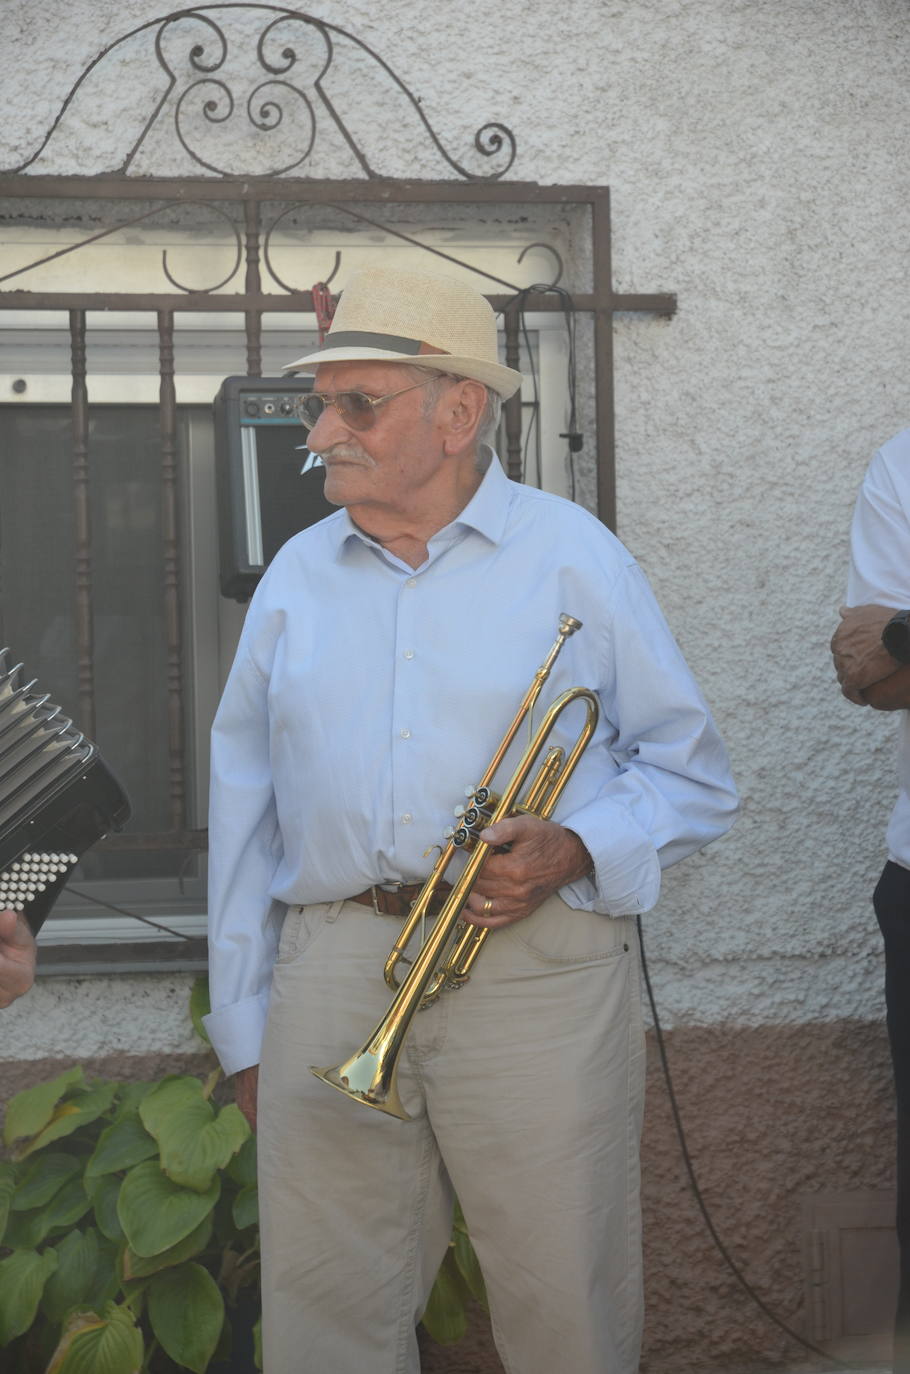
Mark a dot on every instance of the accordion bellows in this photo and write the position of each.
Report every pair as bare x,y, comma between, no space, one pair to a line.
57,797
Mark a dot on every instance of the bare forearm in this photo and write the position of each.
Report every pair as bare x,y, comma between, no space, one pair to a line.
891,693
17,956
246,1090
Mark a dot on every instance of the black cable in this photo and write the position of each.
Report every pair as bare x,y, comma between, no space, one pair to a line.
121,911
573,437
693,1181
534,422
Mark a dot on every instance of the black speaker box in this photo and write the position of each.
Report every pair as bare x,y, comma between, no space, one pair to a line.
268,485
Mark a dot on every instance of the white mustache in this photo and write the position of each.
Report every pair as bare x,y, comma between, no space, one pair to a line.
350,453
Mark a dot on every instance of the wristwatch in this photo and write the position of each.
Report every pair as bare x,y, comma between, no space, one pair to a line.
896,636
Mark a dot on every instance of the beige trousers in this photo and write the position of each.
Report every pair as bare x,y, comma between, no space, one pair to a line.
526,1088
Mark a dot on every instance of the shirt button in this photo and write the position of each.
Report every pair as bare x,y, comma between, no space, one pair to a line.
409,653
406,818
405,734
411,582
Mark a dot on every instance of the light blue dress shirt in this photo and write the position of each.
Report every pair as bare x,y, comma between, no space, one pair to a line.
366,696
880,575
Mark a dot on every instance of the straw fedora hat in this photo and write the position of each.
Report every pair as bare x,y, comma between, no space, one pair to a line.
386,315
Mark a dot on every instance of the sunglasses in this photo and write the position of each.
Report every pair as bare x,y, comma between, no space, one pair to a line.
357,410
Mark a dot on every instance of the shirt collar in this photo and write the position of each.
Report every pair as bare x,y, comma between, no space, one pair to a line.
486,513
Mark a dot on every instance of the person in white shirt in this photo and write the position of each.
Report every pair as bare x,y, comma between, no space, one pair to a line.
384,654
872,674
17,956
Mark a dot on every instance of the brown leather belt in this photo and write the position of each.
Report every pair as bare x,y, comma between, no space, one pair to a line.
399,900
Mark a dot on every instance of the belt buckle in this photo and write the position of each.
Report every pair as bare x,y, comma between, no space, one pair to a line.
389,891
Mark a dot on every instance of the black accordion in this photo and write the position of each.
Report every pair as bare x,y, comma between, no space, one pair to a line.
57,797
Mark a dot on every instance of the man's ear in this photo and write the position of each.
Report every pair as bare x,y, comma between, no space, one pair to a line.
464,407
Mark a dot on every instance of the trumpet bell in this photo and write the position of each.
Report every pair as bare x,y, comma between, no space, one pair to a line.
366,1078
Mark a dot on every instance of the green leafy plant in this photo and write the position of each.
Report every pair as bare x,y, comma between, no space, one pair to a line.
129,1238
459,1280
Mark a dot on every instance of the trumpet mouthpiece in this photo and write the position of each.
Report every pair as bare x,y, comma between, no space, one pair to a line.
568,624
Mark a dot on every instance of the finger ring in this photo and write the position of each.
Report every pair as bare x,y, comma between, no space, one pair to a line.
488,906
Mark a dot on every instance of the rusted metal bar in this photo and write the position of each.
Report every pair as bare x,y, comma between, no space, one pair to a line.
512,406
239,303
171,568
253,318
661,304
82,522
603,363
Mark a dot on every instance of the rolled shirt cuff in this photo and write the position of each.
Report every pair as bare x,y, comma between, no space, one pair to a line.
626,877
237,1031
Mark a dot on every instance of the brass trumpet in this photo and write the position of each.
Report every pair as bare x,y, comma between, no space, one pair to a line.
447,955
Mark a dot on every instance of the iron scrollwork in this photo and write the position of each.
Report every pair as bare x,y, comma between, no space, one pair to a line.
263,100
238,257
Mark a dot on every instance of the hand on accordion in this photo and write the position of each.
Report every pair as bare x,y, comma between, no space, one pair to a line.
17,956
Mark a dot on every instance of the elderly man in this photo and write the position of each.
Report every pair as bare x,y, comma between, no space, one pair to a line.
383,657
871,648
17,956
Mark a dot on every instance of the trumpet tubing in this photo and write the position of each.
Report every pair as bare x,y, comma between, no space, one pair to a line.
448,953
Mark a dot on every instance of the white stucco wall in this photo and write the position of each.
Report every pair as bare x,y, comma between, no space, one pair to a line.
82,1018
757,152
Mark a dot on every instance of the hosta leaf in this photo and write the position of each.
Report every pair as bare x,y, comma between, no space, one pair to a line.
104,1193
186,1311
25,1230
444,1316
22,1279
105,1284
120,1146
69,1116
43,1178
7,1189
194,1142
242,1168
200,1005
135,1266
67,1206
111,1344
156,1213
129,1095
31,1110
246,1207
468,1265
71,1283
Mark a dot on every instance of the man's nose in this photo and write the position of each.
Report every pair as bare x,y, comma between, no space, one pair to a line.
329,429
